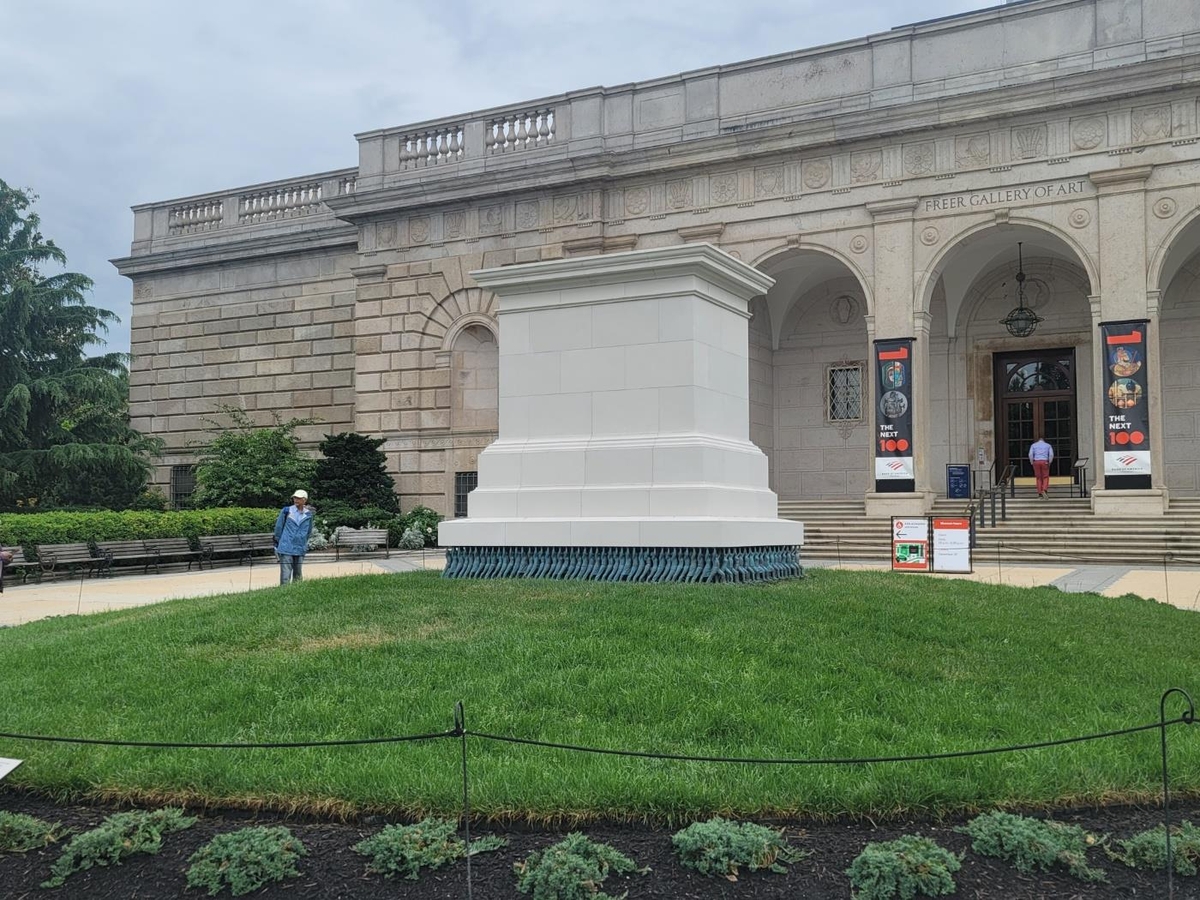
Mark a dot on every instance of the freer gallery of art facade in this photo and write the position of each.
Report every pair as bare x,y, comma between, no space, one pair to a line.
975,230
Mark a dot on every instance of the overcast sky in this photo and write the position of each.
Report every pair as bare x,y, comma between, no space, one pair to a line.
108,104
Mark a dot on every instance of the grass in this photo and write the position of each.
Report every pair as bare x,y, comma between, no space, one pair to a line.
839,664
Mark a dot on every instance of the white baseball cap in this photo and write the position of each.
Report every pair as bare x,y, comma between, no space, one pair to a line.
302,495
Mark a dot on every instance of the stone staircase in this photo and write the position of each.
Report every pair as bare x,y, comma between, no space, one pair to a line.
1059,529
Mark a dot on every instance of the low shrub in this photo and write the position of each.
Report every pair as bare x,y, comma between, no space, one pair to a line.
20,833
406,849
119,836
1148,849
245,860
1033,843
412,539
425,520
903,868
30,529
572,869
721,847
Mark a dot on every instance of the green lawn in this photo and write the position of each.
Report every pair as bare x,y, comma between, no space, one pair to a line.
838,664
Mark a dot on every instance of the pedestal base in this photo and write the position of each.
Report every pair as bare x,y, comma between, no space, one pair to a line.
1122,504
697,564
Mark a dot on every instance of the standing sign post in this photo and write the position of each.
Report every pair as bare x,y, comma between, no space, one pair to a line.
1126,405
952,544
958,481
894,470
910,544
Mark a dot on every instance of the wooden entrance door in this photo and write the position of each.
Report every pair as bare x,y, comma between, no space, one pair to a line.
1035,395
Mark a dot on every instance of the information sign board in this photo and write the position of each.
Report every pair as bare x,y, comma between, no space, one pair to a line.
952,544
910,544
958,481
7,765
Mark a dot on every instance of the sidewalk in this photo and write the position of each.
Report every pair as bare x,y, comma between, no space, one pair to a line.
22,603
25,603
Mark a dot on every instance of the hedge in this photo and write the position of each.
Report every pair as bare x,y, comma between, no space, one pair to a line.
30,529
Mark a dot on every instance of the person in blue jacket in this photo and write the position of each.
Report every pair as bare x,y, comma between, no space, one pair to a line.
292,528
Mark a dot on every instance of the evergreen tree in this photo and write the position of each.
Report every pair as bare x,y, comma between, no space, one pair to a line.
354,471
65,436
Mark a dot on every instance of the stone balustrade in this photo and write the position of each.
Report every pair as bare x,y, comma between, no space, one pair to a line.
287,205
286,202
526,130
431,148
191,218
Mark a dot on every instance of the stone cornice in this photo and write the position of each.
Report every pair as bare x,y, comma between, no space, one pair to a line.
1133,177
807,134
252,247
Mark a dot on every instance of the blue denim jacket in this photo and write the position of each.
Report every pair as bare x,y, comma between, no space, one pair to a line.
291,537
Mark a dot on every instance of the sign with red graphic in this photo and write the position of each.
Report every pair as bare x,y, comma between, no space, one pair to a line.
893,416
1126,404
910,544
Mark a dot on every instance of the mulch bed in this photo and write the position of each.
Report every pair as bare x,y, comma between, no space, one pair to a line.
333,870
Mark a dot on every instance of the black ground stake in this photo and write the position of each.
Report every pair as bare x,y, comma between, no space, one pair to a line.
1187,718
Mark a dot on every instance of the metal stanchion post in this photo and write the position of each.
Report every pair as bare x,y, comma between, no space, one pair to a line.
460,725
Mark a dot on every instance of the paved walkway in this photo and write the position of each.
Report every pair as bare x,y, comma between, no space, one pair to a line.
25,603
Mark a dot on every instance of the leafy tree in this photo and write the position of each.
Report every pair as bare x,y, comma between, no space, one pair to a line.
65,436
245,465
354,471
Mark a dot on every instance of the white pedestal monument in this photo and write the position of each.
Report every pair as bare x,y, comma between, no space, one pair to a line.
624,450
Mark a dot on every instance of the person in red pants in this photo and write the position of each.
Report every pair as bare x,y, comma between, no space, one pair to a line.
1041,455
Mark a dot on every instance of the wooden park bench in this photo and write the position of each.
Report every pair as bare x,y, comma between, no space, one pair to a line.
126,551
243,546
19,565
54,559
177,549
360,540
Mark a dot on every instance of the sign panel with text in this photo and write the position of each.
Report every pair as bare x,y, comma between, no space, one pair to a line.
894,470
952,544
1126,403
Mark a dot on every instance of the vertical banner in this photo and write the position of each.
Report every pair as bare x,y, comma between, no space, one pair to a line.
894,470
1126,405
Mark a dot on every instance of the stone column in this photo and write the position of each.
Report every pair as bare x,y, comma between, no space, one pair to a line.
1123,267
624,424
895,316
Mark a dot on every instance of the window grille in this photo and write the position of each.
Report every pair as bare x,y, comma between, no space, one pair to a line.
844,392
183,483
464,483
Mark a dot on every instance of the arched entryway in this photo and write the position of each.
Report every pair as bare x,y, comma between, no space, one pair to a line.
808,376
1179,336
992,392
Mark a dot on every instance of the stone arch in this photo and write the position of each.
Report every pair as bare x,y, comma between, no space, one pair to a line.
778,259
958,270
1173,252
452,309
464,322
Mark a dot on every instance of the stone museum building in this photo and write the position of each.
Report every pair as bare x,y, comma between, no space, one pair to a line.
980,229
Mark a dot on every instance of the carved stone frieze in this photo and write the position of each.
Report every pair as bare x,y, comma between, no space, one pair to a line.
529,214
1088,133
768,181
723,188
637,201
1080,218
454,224
1029,142
1164,207
679,193
1151,123
972,151
491,219
865,166
816,173
920,159
418,229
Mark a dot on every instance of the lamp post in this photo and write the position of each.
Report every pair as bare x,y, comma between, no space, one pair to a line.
1022,321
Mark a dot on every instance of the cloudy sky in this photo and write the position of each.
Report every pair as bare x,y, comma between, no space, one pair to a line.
107,104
